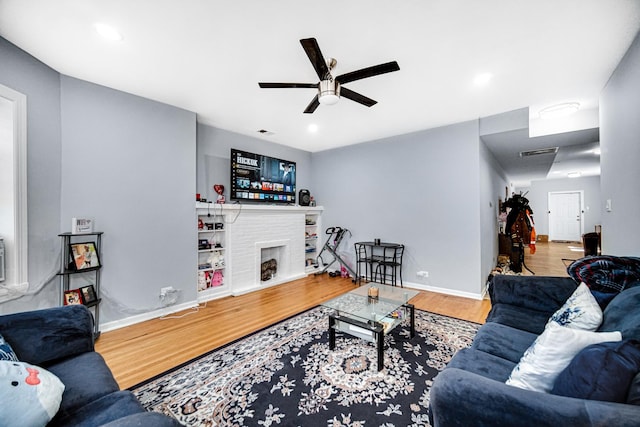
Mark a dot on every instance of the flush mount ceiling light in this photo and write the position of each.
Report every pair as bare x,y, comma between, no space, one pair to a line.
559,110
574,174
313,128
108,32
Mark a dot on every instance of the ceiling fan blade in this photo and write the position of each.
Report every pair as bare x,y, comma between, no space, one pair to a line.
312,49
286,85
355,96
312,105
368,72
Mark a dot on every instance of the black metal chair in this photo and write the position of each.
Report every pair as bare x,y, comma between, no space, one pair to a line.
389,266
364,256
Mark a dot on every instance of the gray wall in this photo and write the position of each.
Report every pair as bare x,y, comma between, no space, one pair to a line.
23,73
420,189
129,163
493,181
620,155
214,150
538,195
125,161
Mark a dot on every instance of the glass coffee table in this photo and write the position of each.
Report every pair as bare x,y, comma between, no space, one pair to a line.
368,317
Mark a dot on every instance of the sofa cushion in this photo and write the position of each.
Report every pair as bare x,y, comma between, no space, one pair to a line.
87,377
503,341
580,311
29,395
41,337
633,397
601,372
622,314
108,408
6,352
551,352
481,363
521,318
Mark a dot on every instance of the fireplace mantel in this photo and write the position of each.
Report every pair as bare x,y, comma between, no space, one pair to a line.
248,228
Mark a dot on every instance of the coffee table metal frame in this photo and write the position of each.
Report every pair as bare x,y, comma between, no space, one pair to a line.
350,320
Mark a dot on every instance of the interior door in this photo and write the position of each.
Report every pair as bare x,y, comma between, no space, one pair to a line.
565,216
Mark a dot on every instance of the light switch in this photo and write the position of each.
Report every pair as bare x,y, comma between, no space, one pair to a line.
607,205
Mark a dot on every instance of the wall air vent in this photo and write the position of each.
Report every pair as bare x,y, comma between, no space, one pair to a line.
552,150
266,132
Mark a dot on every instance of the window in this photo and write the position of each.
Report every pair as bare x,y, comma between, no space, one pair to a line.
13,190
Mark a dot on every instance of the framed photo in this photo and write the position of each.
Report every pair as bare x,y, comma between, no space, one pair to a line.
72,297
84,255
88,294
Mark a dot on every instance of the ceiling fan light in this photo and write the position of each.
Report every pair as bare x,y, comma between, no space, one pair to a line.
329,92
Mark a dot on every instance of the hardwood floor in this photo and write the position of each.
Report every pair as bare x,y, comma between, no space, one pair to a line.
141,351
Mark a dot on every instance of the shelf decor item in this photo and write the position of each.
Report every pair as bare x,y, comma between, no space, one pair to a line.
81,225
72,297
84,255
88,294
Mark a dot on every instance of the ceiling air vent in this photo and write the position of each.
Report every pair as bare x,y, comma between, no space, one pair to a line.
266,132
552,150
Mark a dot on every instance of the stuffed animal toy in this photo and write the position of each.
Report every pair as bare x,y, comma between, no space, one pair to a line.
217,278
30,395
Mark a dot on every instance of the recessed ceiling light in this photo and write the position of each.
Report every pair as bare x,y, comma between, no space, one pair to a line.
108,32
559,110
313,128
574,174
482,79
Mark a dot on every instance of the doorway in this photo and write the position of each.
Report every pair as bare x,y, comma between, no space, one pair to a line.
566,216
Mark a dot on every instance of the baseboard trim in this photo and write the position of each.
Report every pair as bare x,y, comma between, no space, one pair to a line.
132,320
446,291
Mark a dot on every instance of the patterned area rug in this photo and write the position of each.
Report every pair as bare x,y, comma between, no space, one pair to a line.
286,375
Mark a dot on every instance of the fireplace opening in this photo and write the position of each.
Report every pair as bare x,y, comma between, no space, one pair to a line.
270,260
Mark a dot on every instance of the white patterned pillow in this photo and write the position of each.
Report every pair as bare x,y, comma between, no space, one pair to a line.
581,311
550,353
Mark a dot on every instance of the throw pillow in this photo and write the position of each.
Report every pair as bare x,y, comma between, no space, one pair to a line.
6,352
30,395
601,372
550,353
581,311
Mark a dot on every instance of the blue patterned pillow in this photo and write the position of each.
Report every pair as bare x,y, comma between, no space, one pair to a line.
602,372
6,352
581,311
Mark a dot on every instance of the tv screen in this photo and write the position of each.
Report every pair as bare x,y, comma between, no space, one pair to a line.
258,178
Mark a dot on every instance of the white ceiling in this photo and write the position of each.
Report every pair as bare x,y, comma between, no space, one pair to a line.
208,56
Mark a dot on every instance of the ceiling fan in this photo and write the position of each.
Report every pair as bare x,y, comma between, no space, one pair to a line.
330,89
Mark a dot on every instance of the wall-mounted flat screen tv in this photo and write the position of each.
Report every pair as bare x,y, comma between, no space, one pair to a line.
259,178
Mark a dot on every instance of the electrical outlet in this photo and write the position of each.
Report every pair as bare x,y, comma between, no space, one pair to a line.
166,290
422,274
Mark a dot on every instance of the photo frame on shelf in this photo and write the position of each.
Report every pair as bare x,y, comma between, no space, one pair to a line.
84,256
88,294
72,297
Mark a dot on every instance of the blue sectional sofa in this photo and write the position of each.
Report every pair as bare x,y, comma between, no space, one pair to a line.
60,340
471,390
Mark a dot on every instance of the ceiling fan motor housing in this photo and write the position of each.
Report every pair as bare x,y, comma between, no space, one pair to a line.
329,92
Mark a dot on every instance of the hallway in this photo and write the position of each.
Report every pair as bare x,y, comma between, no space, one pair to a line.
548,259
